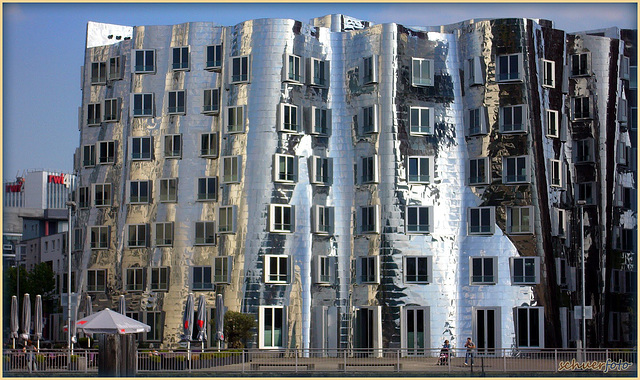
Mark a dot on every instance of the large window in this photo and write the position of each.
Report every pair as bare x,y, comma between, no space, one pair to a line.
211,101
176,102
99,238
202,278
481,220
525,270
106,152
135,279
277,269
417,269
477,122
319,72
207,188
160,279
421,72
102,194
88,155
581,107
421,120
320,121
484,270
222,269
240,69
83,197
289,118
520,220
553,128
112,109
141,148
205,233
555,167
214,57
530,327
473,69
420,169
209,145
324,269
144,61
515,169
580,64
231,169
509,68
369,169
549,73
272,327
115,69
513,119
369,217
322,219
479,171
98,72
227,219
142,105
139,192
180,59
168,190
164,234
94,114
285,168
137,235
281,218
368,269
292,68
584,192
155,319
96,280
370,119
173,146
419,219
234,122
370,70
320,170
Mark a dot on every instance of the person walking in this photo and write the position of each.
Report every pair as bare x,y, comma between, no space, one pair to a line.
470,346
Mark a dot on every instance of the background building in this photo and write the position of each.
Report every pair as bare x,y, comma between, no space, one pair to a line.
409,185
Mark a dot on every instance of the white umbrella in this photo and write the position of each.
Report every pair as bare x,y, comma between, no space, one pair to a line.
26,316
38,320
122,305
88,310
219,319
187,320
201,321
14,319
109,322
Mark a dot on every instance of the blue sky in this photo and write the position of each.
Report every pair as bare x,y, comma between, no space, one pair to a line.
43,49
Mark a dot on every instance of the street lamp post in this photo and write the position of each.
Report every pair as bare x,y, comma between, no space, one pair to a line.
70,205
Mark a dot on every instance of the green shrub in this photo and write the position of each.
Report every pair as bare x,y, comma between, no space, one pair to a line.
237,328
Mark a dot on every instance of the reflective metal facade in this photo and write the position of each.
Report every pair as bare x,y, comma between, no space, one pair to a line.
392,261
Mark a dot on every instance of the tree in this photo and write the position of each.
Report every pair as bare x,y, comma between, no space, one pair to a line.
237,328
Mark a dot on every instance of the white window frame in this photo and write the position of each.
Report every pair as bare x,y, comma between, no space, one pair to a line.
108,157
177,102
207,189
518,161
159,281
226,216
168,190
553,126
140,198
222,267
323,219
417,125
137,236
209,143
369,214
102,194
477,122
112,109
474,71
240,69
148,64
509,112
421,163
324,269
234,119
369,116
290,118
318,72
234,166
163,234
99,237
320,170
370,70
420,227
211,101
183,58
320,121
98,72
515,215
278,269
540,317
96,280
418,276
115,71
262,322
293,69
580,64
285,168
88,158
173,146
521,264
368,269
147,102
206,274
213,55
94,114
486,220
418,76
144,151
549,73
474,178
368,169
511,74
556,175
278,222
205,233
484,277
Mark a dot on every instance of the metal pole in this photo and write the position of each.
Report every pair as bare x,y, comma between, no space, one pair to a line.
584,320
70,206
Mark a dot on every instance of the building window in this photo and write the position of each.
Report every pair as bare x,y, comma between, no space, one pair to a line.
168,190
99,237
369,217
368,269
141,148
477,124
222,269
277,269
180,58
211,101
235,119
96,280
144,61
370,70
474,71
553,128
622,110
281,218
88,155
292,68
139,192
481,220
508,67
207,188
319,72
581,108
137,236
164,234
549,71
231,169
94,114
202,279
321,170
322,219
556,173
419,219
513,119
205,233
240,69
324,269
159,279
633,77
285,168
520,220
155,319
112,109
173,146
142,105
106,152
77,239
289,118
421,72
102,194
84,200
561,222
479,171
562,272
420,169
320,121
580,64
484,270
214,57
530,326
417,269
98,72
515,169
370,119
525,270
421,121
209,145
227,219
272,326
369,170
115,68
176,103
584,192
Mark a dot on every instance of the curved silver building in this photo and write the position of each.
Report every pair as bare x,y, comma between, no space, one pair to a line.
354,185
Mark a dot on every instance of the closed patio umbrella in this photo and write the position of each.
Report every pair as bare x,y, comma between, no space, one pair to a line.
201,321
88,310
219,319
187,320
14,319
26,316
37,322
